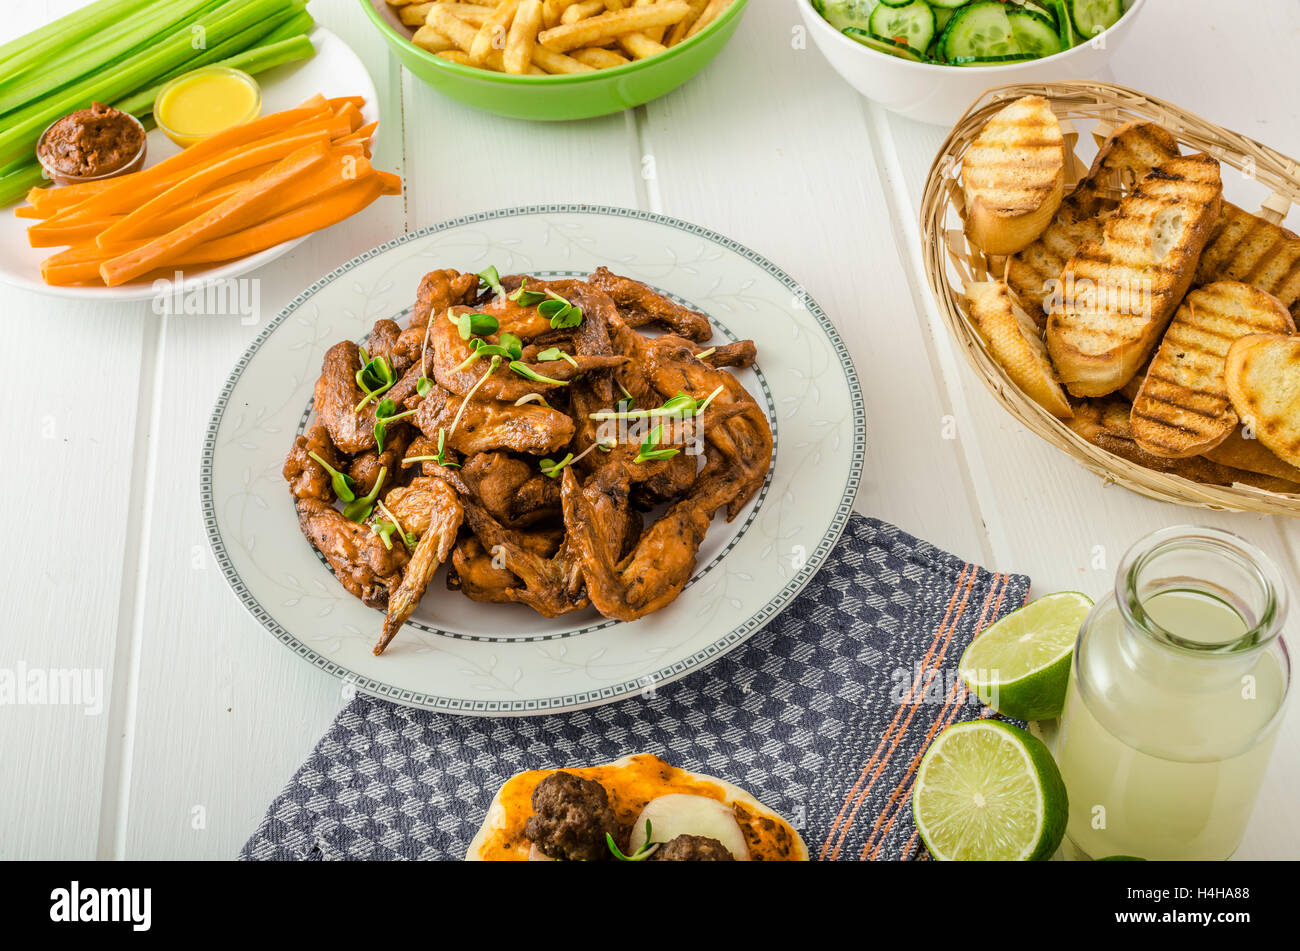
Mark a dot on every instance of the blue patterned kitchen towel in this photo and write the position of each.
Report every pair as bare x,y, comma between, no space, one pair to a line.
823,716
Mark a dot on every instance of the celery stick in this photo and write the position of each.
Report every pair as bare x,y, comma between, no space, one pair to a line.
23,128
17,184
262,58
90,58
69,30
259,59
301,23
141,102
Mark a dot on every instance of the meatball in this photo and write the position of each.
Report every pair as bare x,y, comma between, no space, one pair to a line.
571,818
692,848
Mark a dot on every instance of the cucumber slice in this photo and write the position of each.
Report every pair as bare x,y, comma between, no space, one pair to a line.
895,3
912,24
1041,7
1036,34
947,4
1064,25
883,45
980,31
1094,17
992,60
845,13
942,17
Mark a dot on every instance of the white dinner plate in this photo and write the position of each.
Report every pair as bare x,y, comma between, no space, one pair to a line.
496,660
335,70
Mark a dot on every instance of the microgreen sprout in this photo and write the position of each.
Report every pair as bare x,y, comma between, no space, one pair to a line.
490,277
649,451
527,298
647,849
555,353
528,373
496,362
552,468
385,413
532,398
343,484
358,510
375,378
559,311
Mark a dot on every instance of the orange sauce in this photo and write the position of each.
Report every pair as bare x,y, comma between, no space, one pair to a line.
630,787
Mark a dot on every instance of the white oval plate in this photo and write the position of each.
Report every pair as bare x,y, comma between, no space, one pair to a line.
497,660
335,70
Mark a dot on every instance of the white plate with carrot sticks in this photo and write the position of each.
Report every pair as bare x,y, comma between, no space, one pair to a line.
327,109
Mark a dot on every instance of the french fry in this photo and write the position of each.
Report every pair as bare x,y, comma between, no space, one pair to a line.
582,10
598,30
598,58
454,56
711,13
427,38
640,46
413,14
451,26
522,38
679,30
655,33
552,10
557,63
492,34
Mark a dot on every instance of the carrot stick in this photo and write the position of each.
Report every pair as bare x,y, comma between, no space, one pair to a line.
238,211
129,190
358,102
61,196
47,235
304,220
363,134
352,114
28,211
138,222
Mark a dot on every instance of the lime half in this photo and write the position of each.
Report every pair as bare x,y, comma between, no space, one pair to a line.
1021,665
988,791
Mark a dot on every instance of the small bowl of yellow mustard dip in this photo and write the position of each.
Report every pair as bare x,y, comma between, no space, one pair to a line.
206,101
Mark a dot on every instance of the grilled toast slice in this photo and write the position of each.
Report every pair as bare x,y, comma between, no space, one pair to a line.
1238,452
1182,408
1013,340
1263,375
1013,176
1126,157
1105,424
1246,248
1118,296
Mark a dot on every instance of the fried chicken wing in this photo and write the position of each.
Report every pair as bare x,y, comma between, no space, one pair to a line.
641,304
439,520
550,586
441,289
448,353
307,478
337,396
356,554
515,492
485,426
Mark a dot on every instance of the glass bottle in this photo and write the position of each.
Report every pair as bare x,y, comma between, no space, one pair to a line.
1175,697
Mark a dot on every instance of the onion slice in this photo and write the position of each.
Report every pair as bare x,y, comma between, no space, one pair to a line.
684,814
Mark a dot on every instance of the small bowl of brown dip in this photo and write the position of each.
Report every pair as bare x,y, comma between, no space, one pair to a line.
92,144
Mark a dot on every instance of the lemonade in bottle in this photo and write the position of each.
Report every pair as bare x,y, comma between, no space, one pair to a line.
1175,696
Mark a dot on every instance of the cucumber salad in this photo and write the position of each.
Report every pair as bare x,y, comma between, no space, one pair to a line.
971,32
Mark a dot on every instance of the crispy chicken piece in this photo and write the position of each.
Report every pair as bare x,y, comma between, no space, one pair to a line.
485,426
307,478
740,354
658,567
448,353
365,468
668,484
514,491
671,367
356,554
473,572
440,290
382,342
337,396
439,519
551,586
640,304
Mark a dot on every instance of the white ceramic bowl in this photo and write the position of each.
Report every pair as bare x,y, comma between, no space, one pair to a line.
940,95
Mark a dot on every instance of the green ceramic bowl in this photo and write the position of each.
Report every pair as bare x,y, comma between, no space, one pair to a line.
578,96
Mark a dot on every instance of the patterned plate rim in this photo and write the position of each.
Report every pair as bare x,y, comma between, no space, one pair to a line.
572,701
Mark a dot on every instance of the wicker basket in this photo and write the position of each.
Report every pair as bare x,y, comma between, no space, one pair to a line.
951,262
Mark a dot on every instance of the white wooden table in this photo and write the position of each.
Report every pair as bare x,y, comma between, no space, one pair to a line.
106,564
